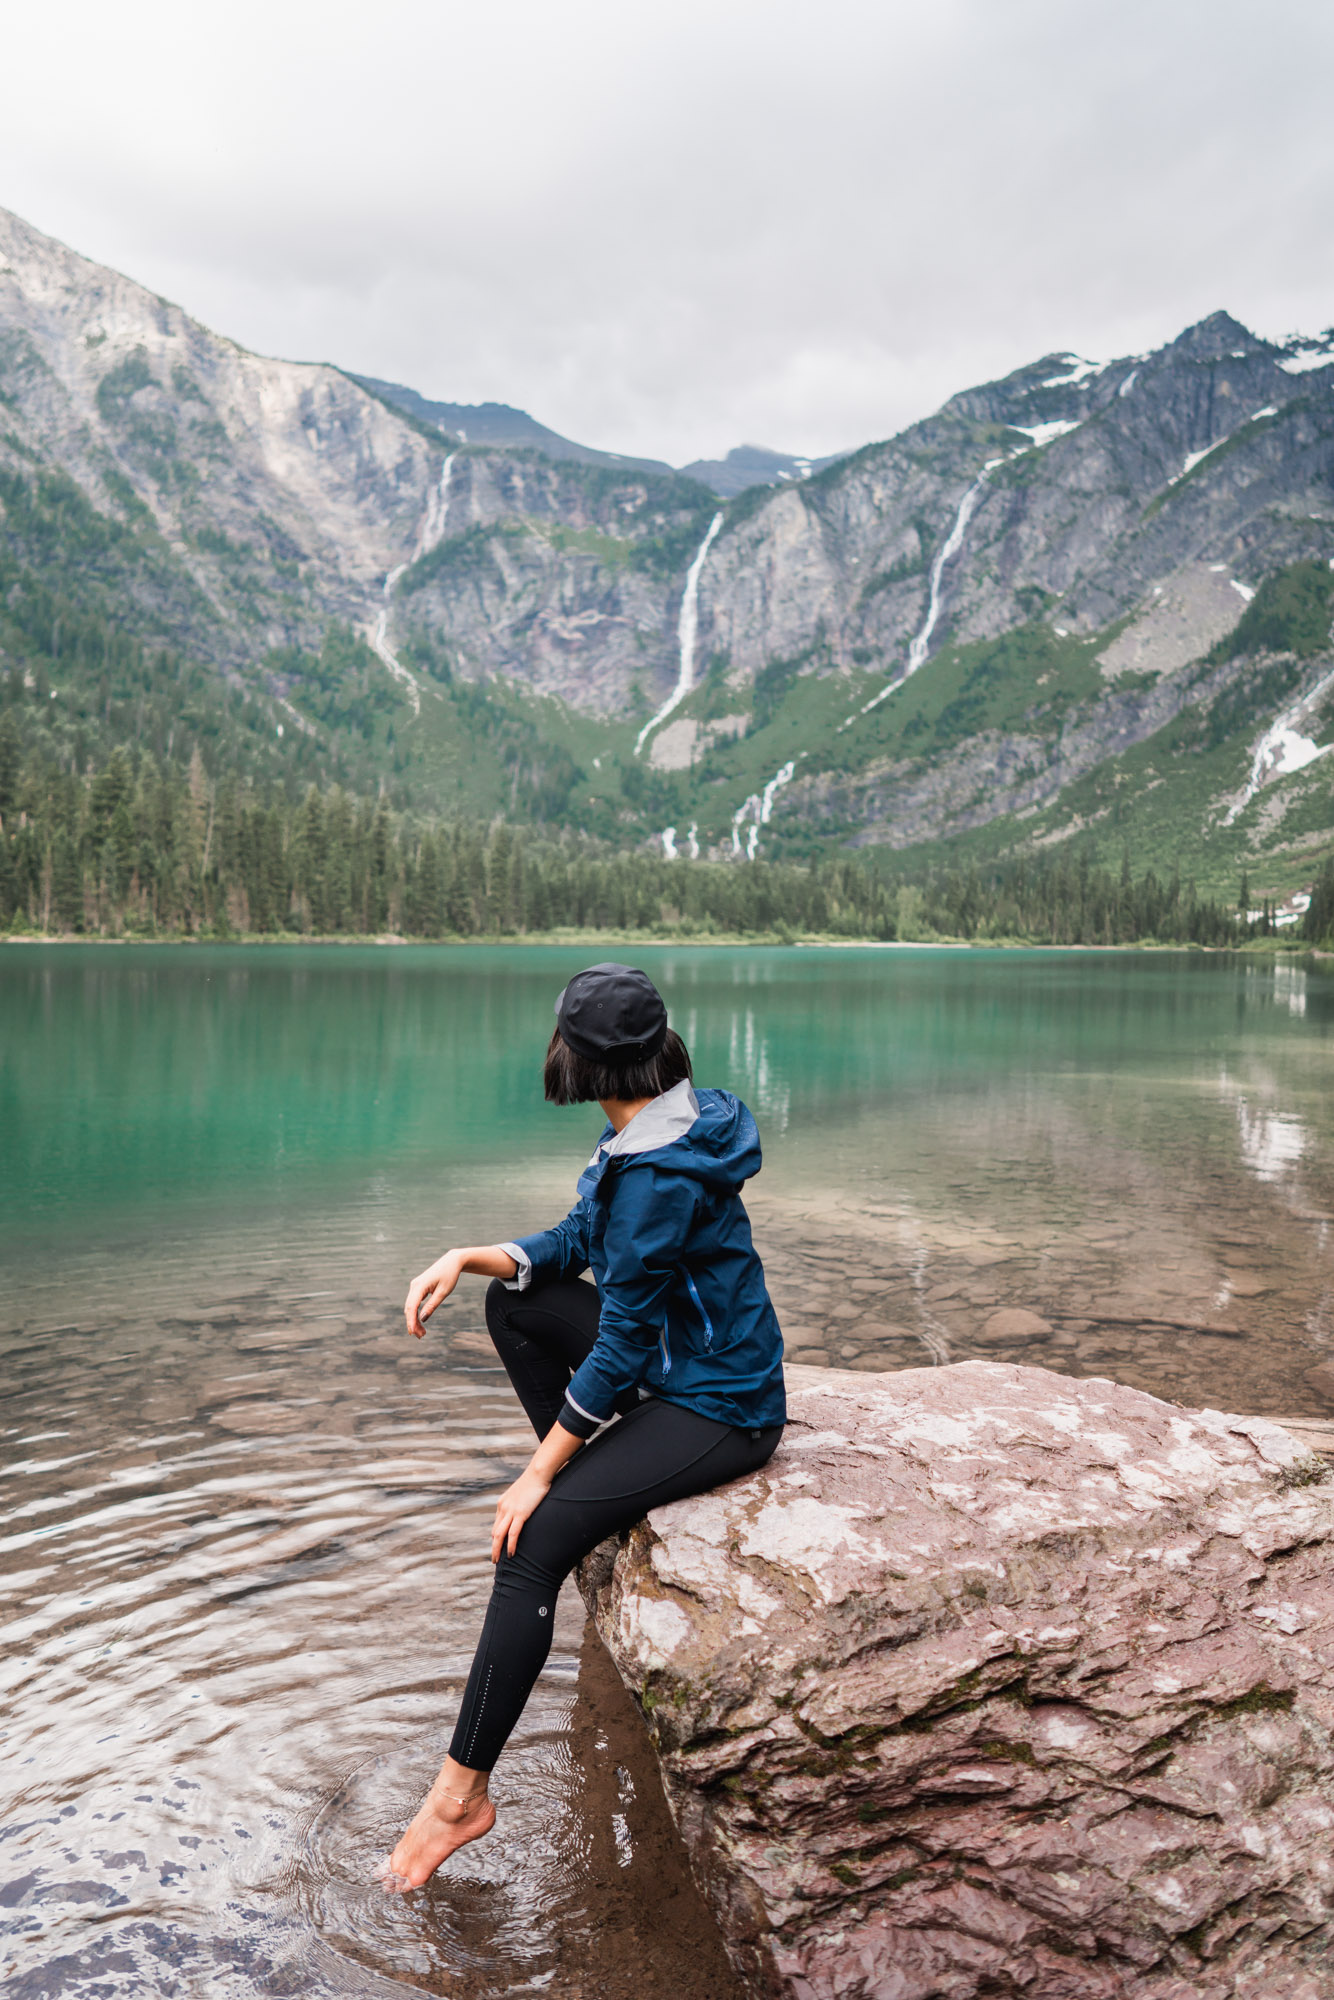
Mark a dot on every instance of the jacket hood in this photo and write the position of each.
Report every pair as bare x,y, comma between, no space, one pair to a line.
708,1134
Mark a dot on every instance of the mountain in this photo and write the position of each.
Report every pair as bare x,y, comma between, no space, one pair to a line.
1089,602
498,424
748,465
502,425
169,497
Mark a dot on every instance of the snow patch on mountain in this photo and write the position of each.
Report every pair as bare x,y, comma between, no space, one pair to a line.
1080,372
1306,358
1040,434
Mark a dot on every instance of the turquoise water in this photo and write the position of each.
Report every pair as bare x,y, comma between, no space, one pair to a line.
238,1077
243,1550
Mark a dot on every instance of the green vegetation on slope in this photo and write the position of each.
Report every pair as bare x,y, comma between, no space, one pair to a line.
1290,613
1028,680
136,849
142,850
87,607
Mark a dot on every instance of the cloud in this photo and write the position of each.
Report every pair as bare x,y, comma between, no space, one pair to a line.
665,230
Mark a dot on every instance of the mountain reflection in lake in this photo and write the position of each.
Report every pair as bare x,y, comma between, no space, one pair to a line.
245,1546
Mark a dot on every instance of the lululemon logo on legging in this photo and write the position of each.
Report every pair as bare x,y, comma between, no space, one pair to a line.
541,1610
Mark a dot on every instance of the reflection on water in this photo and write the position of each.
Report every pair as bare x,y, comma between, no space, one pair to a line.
755,1073
1272,1142
244,1547
1290,987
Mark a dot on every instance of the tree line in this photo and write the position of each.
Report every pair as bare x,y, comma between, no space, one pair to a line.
139,847
1068,899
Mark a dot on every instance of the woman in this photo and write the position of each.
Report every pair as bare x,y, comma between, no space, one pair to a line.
678,1342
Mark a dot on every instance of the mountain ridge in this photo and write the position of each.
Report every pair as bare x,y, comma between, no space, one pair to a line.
504,426
948,636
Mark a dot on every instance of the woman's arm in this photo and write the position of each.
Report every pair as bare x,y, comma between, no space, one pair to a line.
532,1485
649,1224
433,1287
557,1447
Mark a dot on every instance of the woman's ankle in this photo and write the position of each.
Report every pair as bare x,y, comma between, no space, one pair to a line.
459,1790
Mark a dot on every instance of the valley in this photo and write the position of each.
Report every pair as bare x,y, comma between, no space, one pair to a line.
1087,605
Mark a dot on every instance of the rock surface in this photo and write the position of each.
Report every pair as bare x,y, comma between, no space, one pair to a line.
997,1682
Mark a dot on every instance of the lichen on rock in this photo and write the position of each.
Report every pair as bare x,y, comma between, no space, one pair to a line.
996,1682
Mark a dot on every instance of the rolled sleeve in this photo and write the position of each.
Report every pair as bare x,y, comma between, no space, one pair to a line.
523,1276
579,1423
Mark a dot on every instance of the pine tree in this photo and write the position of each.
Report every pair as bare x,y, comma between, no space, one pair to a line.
11,760
120,851
458,905
499,859
66,884
9,885
377,895
430,900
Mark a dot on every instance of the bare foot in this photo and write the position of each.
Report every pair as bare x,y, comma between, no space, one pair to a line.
441,1827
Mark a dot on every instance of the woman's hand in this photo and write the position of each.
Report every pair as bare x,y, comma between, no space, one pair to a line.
434,1286
431,1289
514,1506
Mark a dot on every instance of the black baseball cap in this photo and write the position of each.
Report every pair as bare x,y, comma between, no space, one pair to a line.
612,1014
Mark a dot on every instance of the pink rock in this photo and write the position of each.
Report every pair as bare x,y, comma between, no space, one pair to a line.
995,1682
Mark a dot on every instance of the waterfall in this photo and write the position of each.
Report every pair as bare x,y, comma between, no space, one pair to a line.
775,785
387,657
671,852
946,553
758,809
431,531
953,543
687,625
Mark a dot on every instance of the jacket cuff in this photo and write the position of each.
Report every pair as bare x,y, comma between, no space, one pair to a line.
578,1422
523,1277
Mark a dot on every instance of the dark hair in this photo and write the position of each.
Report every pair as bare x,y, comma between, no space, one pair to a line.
568,1078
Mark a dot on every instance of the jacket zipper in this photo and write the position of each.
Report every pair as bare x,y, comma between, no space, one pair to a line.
708,1323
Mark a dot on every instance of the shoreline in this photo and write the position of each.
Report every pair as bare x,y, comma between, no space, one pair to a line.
1262,947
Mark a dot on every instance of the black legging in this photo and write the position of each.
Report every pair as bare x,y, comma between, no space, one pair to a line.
656,1452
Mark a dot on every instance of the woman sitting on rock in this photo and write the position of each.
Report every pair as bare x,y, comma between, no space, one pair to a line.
678,1343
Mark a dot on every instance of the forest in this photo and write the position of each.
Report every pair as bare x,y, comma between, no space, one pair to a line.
138,848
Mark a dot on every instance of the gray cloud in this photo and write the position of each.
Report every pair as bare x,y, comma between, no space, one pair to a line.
664,230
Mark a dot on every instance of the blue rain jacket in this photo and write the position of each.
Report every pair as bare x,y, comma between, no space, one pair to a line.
660,1223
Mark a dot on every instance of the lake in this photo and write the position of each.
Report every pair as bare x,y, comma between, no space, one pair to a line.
244,1555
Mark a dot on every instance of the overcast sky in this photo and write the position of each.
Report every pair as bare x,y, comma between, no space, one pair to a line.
665,229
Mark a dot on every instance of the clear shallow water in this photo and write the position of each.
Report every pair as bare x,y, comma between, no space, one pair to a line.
243,1553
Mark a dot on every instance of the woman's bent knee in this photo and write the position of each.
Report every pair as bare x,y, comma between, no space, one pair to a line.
499,1299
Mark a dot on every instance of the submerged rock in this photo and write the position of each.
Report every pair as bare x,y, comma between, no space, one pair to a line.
997,1682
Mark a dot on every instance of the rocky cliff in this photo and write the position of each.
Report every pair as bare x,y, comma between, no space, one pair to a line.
996,1682
1009,624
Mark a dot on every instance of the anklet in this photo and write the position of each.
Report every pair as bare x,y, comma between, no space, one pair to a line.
467,1797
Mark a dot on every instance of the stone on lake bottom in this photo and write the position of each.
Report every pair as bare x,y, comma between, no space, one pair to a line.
1011,1324
810,1357
1321,1379
996,1682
